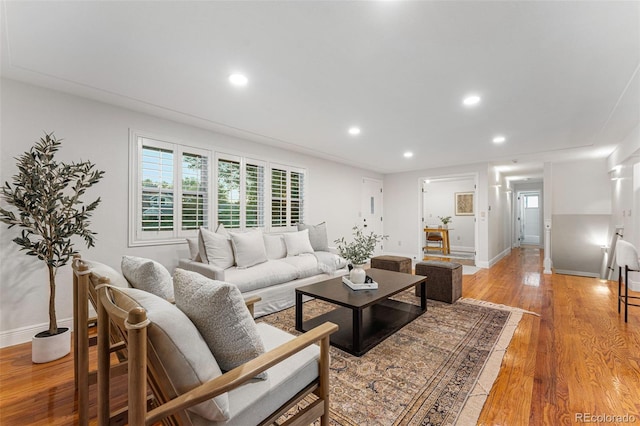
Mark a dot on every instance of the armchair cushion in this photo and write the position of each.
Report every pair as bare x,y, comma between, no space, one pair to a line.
102,270
182,351
255,400
218,311
147,275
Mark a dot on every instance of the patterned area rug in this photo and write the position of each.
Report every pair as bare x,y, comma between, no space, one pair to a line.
427,373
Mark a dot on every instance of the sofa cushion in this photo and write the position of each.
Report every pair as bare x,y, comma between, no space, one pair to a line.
182,350
275,246
217,249
263,275
306,264
317,235
248,248
297,242
147,275
220,314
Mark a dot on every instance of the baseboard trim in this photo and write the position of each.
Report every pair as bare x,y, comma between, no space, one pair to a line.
495,259
577,273
24,334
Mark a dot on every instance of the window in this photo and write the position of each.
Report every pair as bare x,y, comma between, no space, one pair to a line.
240,192
176,189
170,189
531,201
287,200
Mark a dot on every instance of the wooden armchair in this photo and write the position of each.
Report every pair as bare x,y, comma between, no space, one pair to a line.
151,363
86,276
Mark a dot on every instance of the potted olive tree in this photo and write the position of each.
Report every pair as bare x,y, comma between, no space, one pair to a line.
46,199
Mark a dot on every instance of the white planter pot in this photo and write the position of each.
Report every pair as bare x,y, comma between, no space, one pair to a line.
49,348
357,275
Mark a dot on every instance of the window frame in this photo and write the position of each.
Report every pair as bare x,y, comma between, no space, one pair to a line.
243,162
302,197
138,237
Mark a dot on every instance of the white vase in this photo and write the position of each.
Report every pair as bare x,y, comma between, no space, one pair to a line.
357,275
49,348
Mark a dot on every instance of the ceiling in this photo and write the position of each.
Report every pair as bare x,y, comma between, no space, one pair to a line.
559,80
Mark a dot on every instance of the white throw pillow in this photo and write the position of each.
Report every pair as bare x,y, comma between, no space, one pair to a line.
297,242
317,235
220,314
183,351
217,249
147,275
194,250
248,248
274,244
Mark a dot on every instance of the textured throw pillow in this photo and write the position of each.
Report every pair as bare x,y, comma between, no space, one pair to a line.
317,235
274,244
182,350
194,250
217,249
248,248
147,275
220,314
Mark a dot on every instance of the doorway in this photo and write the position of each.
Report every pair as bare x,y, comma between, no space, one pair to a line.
371,209
438,200
529,205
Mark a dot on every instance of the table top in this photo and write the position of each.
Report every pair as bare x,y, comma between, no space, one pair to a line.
436,229
334,291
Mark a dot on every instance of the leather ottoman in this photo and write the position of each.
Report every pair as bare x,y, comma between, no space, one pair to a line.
444,280
392,263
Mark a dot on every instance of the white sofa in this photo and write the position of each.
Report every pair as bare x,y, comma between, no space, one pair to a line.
270,266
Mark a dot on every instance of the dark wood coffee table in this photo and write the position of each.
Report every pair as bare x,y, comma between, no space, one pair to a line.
365,317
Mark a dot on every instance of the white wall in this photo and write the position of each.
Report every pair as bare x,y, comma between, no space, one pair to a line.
402,209
624,165
100,133
439,201
581,187
581,205
499,216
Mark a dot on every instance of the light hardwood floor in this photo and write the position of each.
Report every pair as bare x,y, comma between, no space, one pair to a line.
577,358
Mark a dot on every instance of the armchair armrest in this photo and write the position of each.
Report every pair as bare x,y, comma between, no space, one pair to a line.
205,269
247,371
250,302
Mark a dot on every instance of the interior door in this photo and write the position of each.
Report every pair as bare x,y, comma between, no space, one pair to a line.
530,223
371,208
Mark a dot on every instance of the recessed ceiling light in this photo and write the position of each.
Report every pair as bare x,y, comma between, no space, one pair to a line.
238,79
499,139
408,154
471,100
354,130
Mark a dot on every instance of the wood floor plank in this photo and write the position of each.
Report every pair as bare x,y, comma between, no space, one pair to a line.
578,356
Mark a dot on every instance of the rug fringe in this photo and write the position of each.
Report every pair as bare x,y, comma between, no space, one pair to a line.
496,306
472,408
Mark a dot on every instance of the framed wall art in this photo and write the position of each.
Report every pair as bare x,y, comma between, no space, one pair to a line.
464,203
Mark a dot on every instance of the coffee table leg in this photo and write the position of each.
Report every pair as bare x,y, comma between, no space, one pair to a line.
299,311
357,331
423,295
